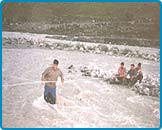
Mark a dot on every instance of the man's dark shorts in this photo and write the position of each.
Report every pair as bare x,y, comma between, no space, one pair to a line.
50,95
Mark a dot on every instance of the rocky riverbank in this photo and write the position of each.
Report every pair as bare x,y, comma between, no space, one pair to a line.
149,86
21,40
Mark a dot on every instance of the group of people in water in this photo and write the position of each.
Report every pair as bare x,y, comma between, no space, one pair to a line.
128,78
51,74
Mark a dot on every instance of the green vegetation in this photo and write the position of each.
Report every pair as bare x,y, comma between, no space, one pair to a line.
115,23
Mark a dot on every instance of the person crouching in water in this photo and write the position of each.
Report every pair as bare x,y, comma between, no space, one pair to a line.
130,75
121,73
49,77
139,74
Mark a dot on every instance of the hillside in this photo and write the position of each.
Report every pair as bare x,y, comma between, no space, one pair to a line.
135,24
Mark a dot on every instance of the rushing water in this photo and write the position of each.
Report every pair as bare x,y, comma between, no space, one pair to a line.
82,101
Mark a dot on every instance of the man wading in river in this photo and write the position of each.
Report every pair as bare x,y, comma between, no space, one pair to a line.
49,77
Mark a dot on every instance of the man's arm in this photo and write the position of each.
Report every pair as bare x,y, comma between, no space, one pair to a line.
140,71
125,71
62,77
119,70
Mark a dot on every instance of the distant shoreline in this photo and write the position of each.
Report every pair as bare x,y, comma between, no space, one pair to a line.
45,41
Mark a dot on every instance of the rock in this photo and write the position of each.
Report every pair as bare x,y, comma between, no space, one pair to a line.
72,69
146,91
103,48
97,51
125,52
149,86
60,46
48,45
114,50
41,44
31,42
112,80
6,41
91,48
52,48
87,73
69,71
71,66
81,49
